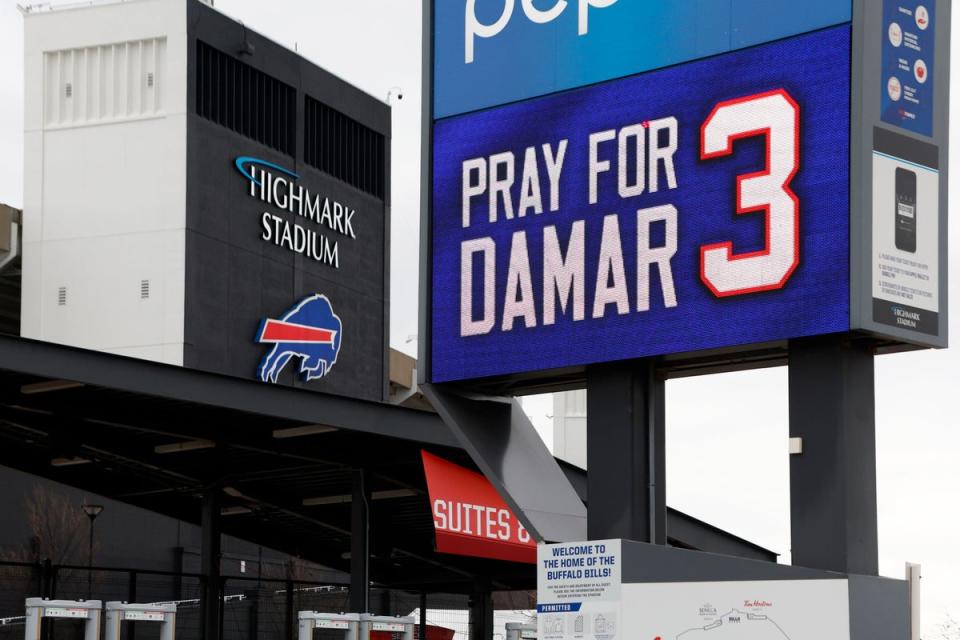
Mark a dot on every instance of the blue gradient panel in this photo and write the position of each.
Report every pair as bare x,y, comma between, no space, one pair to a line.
525,59
813,68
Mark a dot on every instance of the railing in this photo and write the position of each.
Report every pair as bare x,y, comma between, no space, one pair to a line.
253,608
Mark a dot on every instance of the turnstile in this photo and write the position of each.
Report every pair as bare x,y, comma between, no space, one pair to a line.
87,611
120,612
402,625
349,623
521,630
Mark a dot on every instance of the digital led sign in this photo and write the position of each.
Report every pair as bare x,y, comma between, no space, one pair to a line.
700,206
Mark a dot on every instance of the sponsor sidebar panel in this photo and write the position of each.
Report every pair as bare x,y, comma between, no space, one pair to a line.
906,233
908,65
900,252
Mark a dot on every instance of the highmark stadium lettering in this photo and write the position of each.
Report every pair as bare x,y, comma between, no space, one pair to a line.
275,185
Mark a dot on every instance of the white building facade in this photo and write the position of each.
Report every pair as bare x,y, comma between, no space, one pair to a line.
105,177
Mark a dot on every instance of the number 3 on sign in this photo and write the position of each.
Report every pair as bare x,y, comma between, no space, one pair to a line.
776,116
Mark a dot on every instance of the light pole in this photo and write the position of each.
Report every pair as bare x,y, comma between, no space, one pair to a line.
92,511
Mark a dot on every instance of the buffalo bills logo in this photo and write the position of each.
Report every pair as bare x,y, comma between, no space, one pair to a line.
309,331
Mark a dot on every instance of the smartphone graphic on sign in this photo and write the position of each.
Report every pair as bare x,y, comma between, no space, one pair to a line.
906,210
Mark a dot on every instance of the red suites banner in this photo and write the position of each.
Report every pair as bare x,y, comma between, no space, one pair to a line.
469,516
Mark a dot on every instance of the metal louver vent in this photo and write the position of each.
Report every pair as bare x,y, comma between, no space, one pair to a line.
246,100
150,80
339,145
68,89
144,289
62,296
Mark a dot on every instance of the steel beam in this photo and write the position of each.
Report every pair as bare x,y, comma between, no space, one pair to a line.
211,601
360,544
503,443
481,613
131,375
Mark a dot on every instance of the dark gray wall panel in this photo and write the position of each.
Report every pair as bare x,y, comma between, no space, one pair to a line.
234,278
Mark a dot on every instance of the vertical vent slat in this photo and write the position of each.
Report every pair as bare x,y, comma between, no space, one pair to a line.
245,101
307,135
323,137
270,115
276,115
207,86
201,83
261,102
233,94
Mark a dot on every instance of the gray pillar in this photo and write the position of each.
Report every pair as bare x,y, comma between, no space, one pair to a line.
212,595
360,544
290,616
833,482
481,613
626,481
422,634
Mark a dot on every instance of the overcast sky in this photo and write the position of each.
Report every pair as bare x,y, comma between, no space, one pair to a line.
726,435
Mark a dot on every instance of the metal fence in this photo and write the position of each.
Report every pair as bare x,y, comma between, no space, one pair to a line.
253,608
459,620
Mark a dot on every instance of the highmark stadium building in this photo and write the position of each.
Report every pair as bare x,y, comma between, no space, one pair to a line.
197,178
198,403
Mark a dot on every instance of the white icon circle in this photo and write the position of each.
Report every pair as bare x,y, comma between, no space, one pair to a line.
895,33
922,17
920,71
894,89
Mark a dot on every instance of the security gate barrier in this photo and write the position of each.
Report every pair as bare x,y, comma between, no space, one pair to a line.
349,623
390,624
521,631
119,612
86,610
355,626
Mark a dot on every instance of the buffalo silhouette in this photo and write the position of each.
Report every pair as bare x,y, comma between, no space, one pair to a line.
310,330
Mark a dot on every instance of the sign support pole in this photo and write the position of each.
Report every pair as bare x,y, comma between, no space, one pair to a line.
626,457
211,601
360,544
422,632
481,612
833,481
